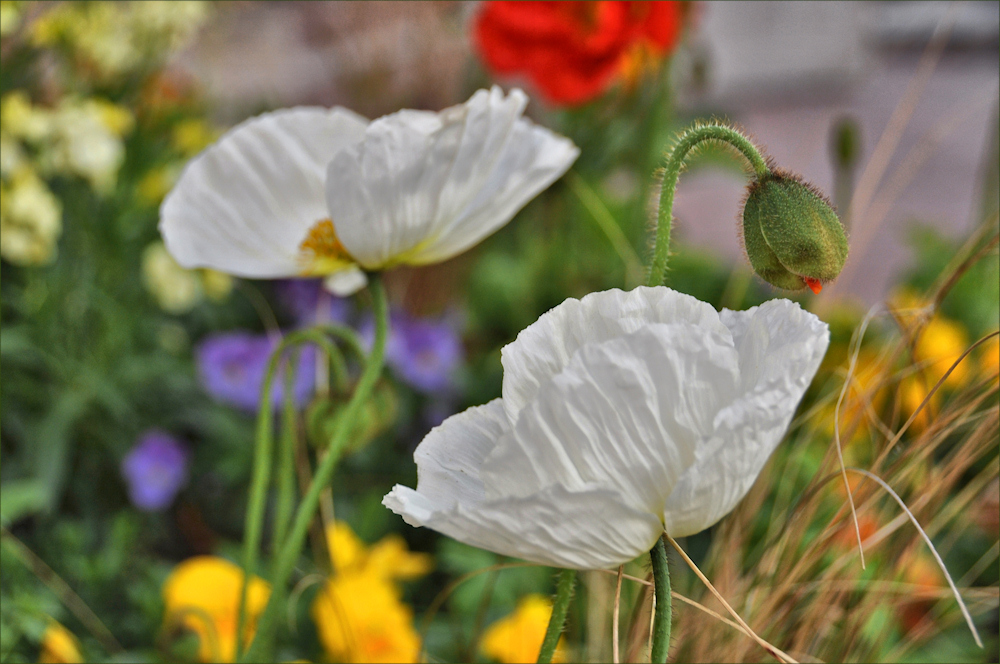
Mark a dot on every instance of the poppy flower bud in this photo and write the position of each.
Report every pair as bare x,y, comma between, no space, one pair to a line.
792,236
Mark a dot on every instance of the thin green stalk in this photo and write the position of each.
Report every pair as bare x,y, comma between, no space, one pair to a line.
672,171
259,649
286,453
264,443
564,594
661,585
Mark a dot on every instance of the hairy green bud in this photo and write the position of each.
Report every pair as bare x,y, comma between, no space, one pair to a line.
792,236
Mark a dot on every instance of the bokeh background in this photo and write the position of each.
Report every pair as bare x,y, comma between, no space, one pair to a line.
130,386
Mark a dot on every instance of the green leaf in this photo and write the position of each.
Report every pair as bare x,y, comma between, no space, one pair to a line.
21,498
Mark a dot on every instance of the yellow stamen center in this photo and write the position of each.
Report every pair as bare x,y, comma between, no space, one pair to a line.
321,252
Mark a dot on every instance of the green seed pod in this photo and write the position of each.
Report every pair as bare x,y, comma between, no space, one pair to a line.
792,236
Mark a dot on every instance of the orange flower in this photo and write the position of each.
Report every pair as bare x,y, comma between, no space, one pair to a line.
572,51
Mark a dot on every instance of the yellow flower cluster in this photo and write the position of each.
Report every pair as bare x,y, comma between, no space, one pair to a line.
359,613
10,16
110,39
518,638
80,137
203,594
176,289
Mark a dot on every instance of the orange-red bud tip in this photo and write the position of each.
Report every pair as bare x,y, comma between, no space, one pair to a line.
813,284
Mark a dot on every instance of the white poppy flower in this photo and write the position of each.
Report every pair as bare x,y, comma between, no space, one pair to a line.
324,192
623,415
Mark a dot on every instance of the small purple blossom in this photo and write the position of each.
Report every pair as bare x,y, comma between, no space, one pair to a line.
309,303
232,367
155,470
423,352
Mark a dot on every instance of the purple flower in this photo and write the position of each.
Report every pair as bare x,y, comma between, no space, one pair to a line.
309,303
232,368
423,352
155,470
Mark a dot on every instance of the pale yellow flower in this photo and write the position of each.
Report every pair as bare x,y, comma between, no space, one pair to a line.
21,119
203,595
518,638
176,289
30,220
10,16
86,140
360,618
59,646
114,38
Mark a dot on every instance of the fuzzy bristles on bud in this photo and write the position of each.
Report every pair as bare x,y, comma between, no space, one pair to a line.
792,236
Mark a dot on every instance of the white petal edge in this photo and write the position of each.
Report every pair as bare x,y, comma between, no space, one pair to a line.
586,529
244,205
423,187
780,348
346,282
545,347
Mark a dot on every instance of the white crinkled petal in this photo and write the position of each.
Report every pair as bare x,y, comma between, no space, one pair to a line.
423,187
588,529
544,348
625,415
780,348
245,204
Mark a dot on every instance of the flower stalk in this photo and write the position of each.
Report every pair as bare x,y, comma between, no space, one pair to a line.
671,172
564,594
662,620
259,649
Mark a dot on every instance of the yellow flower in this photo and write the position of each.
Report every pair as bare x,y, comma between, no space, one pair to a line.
192,136
388,559
518,637
360,618
59,646
940,343
30,220
203,595
156,183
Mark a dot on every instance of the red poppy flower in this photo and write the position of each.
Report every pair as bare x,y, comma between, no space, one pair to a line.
572,51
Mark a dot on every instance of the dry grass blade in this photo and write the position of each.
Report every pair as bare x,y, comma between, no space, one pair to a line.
855,349
958,597
930,395
778,654
57,585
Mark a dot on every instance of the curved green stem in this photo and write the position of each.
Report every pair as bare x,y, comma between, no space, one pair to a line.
661,585
263,446
672,171
260,647
564,593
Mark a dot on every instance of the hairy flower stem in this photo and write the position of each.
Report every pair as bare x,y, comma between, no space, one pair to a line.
264,443
564,594
661,585
671,172
260,648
